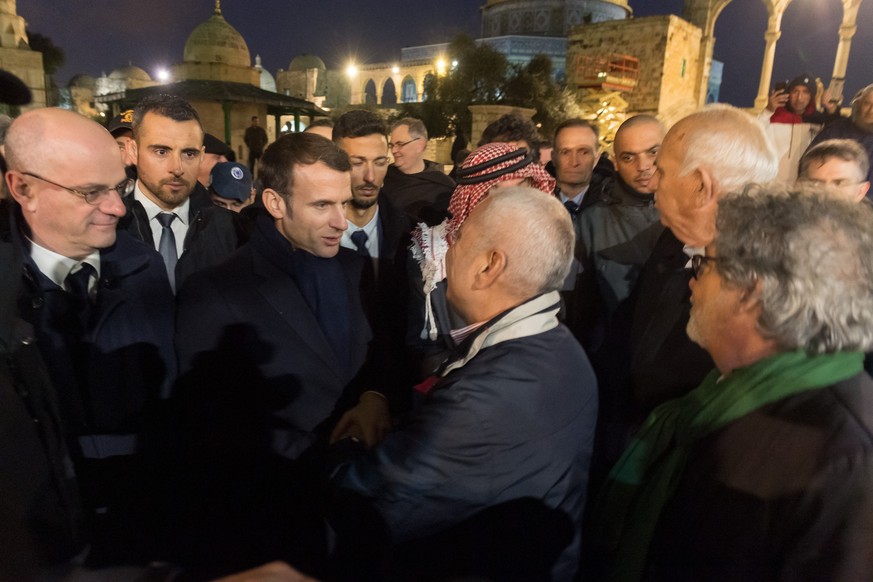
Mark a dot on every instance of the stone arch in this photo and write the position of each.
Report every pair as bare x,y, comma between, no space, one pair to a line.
408,90
369,93
704,13
389,92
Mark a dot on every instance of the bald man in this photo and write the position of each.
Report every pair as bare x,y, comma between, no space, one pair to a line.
618,231
100,307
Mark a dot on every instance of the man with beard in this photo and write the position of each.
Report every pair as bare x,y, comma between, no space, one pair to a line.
169,209
378,231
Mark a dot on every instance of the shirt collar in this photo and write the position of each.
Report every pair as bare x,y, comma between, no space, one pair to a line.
369,229
56,267
577,199
152,209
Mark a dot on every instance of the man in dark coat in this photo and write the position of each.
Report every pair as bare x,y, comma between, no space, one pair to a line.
511,415
256,140
101,309
412,183
170,210
272,344
380,232
688,184
764,471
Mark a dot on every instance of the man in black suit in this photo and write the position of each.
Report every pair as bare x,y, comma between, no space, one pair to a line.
170,210
703,157
98,306
272,344
380,232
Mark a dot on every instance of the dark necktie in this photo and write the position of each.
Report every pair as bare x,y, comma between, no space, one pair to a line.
167,246
77,282
571,207
359,237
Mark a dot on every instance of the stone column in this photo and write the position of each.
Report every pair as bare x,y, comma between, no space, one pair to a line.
776,8
847,31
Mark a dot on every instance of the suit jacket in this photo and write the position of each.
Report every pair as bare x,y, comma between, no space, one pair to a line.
386,301
260,388
245,331
111,373
665,364
213,232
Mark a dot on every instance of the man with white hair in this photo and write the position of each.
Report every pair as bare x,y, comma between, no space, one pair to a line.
512,414
765,470
704,156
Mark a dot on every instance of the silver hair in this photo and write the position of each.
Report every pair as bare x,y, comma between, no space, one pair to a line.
730,144
810,259
537,235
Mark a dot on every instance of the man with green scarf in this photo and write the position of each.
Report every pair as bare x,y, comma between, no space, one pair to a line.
765,471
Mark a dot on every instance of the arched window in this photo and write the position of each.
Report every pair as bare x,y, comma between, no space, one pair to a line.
389,93
370,92
409,92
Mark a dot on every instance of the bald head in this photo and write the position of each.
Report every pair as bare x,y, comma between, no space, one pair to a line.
65,173
703,157
636,146
44,137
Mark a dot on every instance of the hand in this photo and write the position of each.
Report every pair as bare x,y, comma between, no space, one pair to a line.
369,421
829,105
778,98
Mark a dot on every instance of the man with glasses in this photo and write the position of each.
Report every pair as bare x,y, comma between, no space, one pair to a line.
840,164
414,184
98,305
169,209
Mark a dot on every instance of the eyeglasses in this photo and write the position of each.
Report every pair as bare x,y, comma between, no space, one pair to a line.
401,144
93,197
698,262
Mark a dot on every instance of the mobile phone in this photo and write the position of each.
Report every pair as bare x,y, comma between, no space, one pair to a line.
781,86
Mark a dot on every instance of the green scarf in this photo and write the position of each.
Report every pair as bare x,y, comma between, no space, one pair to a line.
646,475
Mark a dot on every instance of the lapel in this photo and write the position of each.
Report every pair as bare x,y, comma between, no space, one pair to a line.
116,264
283,295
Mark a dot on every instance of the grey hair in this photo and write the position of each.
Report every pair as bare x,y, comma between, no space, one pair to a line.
730,144
847,150
810,259
537,235
415,127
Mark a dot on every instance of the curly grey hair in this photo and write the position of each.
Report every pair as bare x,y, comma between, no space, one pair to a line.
810,258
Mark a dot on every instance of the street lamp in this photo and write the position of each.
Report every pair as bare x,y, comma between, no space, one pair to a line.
163,75
352,71
441,67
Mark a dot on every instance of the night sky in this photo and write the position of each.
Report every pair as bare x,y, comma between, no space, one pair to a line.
101,35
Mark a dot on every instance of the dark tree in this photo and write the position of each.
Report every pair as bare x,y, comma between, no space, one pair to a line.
53,56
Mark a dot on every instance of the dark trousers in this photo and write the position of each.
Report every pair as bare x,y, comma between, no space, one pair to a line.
253,159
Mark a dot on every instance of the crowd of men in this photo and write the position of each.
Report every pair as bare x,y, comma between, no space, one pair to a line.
649,367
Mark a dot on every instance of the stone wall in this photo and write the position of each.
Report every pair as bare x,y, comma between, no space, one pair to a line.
668,49
485,114
27,66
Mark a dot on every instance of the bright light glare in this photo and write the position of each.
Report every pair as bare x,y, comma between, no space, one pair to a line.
352,70
163,75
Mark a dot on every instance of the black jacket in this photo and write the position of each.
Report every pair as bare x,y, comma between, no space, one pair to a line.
783,493
213,232
424,195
